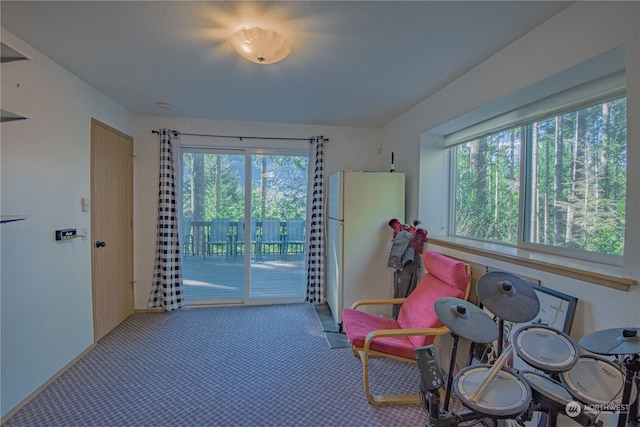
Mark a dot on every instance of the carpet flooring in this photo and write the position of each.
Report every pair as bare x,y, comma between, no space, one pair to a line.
223,366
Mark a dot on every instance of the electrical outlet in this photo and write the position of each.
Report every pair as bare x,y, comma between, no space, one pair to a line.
66,234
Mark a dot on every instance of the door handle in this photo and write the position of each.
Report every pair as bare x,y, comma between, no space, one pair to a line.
100,244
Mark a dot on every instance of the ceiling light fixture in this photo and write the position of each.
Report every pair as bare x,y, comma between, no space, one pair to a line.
260,46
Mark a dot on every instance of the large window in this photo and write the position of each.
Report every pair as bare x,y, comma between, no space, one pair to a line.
488,187
557,184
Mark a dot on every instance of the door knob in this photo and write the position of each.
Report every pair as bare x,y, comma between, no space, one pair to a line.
100,244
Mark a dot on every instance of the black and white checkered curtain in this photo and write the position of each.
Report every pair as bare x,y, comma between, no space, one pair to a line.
315,248
167,291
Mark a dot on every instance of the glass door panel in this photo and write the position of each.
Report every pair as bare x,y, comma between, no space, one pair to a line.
278,207
243,244
213,203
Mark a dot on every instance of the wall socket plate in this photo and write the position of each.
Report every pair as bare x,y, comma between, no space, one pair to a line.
66,234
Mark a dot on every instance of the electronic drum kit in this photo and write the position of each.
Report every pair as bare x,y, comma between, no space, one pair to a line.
563,382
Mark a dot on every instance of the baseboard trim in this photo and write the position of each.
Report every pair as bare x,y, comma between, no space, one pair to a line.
148,310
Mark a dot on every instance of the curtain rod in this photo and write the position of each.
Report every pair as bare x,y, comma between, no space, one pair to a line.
311,140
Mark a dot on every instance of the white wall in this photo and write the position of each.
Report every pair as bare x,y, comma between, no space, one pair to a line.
568,46
46,286
348,148
47,315
576,35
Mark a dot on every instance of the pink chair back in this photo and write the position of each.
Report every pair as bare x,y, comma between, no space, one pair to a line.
445,277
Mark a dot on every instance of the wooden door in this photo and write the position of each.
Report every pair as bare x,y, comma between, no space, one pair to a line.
111,227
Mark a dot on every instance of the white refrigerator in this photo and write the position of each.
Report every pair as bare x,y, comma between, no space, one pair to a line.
359,207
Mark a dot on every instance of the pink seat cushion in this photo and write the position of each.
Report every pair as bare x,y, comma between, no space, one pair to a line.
357,324
445,277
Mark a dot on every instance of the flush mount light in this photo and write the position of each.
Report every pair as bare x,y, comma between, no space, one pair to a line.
260,46
164,105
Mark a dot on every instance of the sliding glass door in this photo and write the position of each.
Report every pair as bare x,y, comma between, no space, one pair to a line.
243,216
278,206
212,201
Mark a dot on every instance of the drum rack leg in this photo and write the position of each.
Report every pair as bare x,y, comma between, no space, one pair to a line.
452,366
500,337
548,419
633,409
632,365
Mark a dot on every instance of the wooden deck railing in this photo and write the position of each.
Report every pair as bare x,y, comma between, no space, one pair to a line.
196,240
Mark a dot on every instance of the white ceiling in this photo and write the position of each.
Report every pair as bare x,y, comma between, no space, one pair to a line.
353,63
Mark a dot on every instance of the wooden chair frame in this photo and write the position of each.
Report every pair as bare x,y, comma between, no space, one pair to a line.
365,352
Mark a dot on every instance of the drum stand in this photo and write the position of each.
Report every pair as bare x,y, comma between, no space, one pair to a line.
431,383
468,321
549,414
444,417
632,365
500,337
619,342
452,366
549,417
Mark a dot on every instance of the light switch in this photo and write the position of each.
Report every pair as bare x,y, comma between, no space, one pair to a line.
84,203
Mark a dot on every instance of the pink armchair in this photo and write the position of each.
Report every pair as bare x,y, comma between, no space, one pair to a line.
417,325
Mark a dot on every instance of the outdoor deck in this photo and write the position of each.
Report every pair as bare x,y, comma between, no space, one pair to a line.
222,277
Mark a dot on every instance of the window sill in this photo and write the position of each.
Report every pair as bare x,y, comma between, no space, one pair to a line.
600,274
